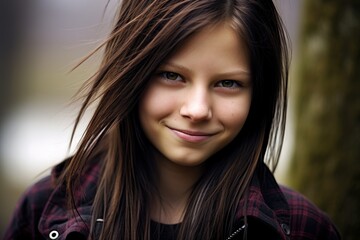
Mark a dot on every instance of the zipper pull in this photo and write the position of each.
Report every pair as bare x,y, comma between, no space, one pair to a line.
236,232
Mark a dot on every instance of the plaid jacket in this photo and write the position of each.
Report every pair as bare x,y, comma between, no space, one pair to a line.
273,212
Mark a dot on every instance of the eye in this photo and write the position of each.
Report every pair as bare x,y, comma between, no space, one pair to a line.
228,84
171,76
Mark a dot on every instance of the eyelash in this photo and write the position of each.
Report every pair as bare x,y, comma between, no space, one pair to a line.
233,82
165,75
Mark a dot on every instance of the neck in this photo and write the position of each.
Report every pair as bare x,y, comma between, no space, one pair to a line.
174,183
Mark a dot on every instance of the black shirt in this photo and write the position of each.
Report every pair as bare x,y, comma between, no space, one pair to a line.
160,231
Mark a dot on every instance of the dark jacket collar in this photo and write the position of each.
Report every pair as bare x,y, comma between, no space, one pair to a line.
56,215
266,203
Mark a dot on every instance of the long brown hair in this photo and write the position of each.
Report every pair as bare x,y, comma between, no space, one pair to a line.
145,33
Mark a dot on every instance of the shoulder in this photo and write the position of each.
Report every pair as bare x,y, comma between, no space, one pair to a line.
43,206
307,220
29,208
23,224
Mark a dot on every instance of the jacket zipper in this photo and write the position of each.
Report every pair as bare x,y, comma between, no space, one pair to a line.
236,232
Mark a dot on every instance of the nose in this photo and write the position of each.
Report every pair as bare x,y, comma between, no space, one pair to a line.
197,105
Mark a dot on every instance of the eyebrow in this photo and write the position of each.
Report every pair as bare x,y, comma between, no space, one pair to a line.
239,71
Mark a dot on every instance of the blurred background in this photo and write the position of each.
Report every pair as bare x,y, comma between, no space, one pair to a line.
41,40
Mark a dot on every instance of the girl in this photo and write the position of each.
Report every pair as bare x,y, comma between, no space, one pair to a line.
191,101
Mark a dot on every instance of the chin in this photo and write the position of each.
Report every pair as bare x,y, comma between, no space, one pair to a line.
186,162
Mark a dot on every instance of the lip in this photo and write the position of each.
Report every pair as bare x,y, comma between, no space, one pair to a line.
191,136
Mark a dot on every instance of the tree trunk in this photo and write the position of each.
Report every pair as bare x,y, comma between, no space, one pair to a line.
326,161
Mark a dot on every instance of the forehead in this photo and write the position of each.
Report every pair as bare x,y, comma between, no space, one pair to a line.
213,48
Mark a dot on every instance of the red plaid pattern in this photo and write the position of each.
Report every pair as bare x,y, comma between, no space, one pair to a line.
273,212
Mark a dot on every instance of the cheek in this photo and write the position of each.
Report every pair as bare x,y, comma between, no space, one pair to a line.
156,103
234,114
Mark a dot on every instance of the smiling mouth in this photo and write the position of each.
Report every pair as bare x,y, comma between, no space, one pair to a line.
192,136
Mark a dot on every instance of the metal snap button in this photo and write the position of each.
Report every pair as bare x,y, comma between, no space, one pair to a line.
285,228
54,234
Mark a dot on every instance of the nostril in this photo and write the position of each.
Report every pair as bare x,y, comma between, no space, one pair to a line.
197,104
196,112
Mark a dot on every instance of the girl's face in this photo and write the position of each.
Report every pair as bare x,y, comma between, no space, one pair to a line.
199,98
